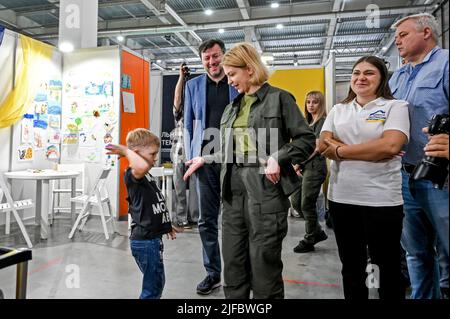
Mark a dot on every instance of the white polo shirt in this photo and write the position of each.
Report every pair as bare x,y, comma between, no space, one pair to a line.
362,182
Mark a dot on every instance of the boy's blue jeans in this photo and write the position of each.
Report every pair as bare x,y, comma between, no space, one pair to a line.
149,257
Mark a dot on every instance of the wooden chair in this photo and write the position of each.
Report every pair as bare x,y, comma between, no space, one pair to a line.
97,196
13,206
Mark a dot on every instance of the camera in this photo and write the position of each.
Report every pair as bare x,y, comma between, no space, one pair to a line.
185,69
434,169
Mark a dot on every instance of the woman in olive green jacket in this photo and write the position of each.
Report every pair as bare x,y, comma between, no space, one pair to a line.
262,134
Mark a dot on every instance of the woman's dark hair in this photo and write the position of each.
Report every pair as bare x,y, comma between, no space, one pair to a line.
383,89
208,44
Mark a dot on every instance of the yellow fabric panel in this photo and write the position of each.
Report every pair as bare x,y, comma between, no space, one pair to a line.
299,82
29,69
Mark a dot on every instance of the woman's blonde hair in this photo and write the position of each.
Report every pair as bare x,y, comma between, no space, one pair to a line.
322,110
141,137
244,55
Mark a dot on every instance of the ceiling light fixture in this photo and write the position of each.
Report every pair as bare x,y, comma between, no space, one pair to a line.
274,5
120,38
221,30
279,26
208,12
66,47
267,59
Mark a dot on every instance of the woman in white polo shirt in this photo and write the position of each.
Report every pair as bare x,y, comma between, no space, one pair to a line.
363,136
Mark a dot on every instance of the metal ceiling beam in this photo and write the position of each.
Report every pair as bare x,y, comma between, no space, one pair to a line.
9,19
293,50
301,36
256,22
251,37
250,33
127,11
338,5
244,6
44,8
302,18
191,32
156,8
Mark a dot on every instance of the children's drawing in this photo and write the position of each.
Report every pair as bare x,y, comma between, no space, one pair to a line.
90,154
40,107
40,138
109,127
70,138
86,139
54,108
41,96
26,135
107,138
25,153
55,85
40,124
101,88
54,136
54,121
52,152
73,128
74,107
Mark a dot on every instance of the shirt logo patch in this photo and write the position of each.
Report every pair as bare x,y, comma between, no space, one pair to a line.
378,116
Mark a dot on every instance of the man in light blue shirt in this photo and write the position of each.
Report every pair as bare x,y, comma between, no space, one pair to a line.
424,83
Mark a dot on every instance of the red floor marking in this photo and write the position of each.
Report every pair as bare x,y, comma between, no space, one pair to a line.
46,265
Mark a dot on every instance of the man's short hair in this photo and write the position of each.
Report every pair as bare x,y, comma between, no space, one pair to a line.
422,21
141,137
208,44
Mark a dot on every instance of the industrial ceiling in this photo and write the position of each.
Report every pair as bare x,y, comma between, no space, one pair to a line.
287,33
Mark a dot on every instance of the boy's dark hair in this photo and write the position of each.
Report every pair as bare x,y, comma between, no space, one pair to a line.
208,44
383,89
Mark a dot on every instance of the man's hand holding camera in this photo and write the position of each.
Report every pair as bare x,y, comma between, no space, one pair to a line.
437,145
184,70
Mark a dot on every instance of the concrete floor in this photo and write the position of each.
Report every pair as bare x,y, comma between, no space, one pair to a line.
108,270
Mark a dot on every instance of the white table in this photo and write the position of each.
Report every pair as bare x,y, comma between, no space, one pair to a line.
42,178
167,176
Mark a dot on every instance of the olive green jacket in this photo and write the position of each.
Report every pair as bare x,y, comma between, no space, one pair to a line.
278,116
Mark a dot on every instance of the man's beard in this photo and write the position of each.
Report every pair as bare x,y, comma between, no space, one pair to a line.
216,74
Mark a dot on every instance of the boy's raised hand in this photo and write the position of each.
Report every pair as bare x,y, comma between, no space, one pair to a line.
116,149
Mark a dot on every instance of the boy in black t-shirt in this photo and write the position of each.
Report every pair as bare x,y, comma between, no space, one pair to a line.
146,204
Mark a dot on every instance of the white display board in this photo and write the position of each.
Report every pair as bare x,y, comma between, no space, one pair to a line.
91,112
29,136
38,131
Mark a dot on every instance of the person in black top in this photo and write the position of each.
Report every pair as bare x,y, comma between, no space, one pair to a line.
314,174
147,207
